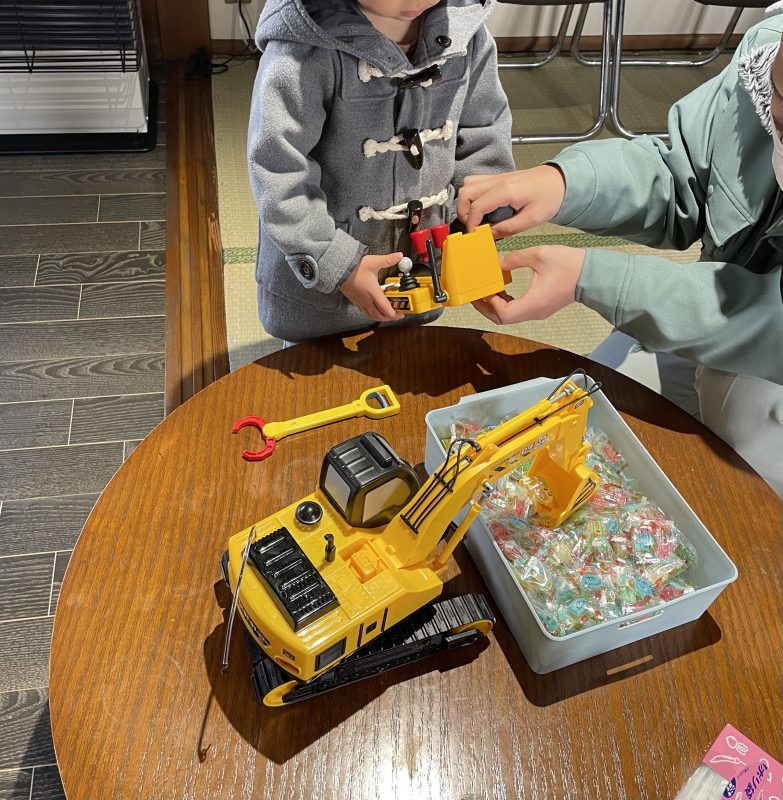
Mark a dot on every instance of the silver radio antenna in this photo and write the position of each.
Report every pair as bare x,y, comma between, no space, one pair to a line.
235,599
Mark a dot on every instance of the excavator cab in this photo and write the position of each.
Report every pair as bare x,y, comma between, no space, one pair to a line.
366,481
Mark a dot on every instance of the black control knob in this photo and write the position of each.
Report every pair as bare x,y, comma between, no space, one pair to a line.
308,512
498,215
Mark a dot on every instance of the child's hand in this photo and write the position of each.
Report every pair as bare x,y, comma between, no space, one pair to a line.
536,194
556,270
363,290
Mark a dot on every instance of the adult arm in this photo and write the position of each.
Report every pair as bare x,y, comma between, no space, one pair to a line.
718,314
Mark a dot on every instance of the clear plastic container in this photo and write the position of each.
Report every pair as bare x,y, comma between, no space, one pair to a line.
712,571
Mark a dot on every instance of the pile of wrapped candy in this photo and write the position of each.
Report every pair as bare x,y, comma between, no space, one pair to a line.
616,555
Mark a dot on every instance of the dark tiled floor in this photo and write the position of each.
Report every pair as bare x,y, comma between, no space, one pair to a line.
82,241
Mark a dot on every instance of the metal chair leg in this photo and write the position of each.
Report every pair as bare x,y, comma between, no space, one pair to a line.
551,55
603,98
655,62
576,38
614,103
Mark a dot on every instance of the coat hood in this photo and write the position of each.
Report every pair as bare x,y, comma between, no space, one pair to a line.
339,25
755,77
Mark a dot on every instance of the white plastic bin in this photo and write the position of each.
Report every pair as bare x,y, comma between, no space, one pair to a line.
712,571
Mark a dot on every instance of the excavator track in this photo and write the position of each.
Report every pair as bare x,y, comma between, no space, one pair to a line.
439,626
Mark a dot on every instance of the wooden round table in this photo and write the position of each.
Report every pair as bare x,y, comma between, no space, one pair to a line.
141,710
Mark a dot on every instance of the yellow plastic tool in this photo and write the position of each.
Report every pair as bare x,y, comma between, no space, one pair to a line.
272,431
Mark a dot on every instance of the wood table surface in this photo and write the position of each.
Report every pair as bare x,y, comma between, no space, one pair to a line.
140,709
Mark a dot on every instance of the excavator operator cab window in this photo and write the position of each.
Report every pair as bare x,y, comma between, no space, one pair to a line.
366,481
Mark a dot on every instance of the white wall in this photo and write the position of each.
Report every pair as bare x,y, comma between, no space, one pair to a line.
642,17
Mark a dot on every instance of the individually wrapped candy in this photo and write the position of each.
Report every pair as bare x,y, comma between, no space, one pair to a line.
617,554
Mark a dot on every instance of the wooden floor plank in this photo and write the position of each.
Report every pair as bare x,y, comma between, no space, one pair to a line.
135,265
77,238
37,303
152,235
25,587
34,424
100,337
88,162
129,207
122,299
47,784
47,210
124,417
76,469
78,182
16,784
26,733
43,524
24,653
18,270
53,379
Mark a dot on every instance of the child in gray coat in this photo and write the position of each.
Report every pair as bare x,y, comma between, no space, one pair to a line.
362,110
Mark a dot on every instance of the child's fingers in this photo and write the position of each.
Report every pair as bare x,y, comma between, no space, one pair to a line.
385,261
382,307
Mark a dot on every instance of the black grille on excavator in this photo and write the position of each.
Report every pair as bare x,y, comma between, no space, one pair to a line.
296,586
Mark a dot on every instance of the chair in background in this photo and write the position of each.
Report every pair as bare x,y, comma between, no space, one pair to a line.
618,61
604,62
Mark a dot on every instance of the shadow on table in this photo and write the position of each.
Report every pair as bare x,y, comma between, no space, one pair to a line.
281,733
603,670
432,361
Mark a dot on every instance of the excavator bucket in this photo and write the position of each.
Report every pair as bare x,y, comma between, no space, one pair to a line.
560,491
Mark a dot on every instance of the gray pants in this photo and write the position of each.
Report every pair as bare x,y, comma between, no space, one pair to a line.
746,412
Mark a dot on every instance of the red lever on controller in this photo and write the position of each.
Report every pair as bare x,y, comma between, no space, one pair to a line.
419,242
439,234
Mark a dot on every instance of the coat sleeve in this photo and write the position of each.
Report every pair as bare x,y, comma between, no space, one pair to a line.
484,126
720,315
644,190
640,189
291,97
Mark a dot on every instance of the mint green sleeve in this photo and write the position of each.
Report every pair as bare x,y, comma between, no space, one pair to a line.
642,189
720,315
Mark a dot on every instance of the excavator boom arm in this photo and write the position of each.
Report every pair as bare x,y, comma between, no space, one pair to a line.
551,433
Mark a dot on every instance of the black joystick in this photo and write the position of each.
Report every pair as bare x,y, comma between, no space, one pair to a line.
407,281
330,549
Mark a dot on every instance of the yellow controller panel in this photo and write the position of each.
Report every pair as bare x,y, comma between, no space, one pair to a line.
469,270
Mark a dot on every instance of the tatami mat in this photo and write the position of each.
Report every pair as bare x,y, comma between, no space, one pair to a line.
559,97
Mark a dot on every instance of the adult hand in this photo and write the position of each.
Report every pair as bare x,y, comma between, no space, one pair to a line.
536,194
556,270
363,290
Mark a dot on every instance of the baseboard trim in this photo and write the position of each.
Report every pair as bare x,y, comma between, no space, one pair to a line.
195,329
669,41
539,44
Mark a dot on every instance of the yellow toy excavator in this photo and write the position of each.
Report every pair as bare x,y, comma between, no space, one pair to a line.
339,585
